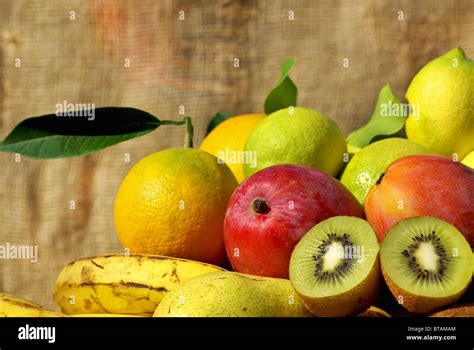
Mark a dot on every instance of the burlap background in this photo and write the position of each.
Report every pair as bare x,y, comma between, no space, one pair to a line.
177,63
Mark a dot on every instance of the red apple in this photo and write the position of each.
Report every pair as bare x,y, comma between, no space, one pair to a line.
423,185
271,210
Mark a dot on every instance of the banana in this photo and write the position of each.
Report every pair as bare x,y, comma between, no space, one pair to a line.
105,315
12,306
120,284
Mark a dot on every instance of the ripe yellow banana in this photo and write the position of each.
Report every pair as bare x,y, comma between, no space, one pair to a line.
119,284
12,306
105,315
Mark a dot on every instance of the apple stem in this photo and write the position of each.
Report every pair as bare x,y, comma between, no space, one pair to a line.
260,206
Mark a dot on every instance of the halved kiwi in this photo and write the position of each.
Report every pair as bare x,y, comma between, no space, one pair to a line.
461,310
426,263
374,311
335,267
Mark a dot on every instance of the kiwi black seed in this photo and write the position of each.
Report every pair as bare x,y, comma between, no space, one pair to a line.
422,273
426,263
335,267
345,264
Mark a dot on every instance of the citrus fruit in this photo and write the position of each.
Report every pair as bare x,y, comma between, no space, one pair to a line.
296,135
443,94
469,160
366,166
352,149
227,140
173,203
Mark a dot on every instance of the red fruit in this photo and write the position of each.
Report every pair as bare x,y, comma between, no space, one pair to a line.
271,210
423,185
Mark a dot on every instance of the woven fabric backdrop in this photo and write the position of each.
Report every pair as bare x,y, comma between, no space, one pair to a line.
79,57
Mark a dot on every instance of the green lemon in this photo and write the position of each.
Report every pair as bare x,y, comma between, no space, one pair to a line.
352,149
442,98
366,166
296,135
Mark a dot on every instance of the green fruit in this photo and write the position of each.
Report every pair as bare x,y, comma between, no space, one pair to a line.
366,166
442,93
352,149
426,263
230,294
296,135
335,267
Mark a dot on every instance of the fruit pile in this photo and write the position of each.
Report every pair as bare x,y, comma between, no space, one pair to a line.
280,215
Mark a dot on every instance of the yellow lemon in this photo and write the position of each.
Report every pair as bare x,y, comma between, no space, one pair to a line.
442,99
228,139
173,203
469,160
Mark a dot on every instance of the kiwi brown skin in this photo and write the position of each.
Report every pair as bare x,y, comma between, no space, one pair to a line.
420,304
460,310
374,311
351,303
389,304
468,296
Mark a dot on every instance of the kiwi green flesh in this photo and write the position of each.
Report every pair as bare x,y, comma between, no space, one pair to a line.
333,257
427,256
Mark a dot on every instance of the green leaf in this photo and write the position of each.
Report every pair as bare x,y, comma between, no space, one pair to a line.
387,119
217,119
53,136
284,94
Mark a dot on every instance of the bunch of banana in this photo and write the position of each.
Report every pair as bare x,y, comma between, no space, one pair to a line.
12,306
104,315
120,284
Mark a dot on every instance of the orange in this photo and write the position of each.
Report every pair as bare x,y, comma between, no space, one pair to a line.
227,140
173,203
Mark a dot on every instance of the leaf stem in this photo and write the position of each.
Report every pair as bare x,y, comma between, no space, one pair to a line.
188,137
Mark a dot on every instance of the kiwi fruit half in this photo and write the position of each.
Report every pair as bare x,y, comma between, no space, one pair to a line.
374,311
462,310
335,267
426,263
